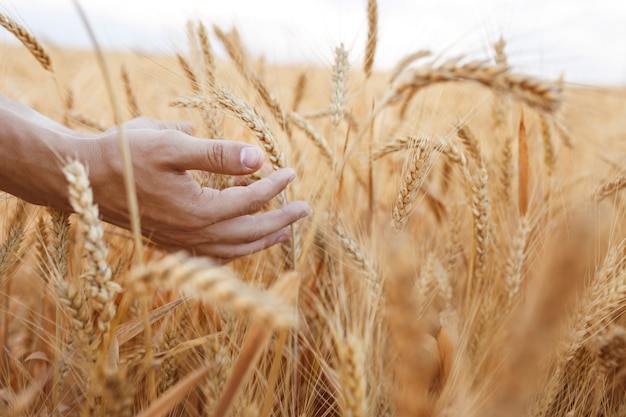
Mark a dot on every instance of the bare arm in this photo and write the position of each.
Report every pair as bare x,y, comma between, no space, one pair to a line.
175,211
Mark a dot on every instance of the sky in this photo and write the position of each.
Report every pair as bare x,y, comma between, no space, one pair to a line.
584,40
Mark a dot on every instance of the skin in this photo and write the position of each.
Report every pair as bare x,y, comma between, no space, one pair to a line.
175,211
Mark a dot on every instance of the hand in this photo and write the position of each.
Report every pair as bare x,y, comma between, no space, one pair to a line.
175,211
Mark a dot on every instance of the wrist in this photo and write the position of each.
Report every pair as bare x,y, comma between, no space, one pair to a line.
33,157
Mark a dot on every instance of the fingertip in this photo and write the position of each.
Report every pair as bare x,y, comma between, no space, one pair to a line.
303,208
251,158
283,235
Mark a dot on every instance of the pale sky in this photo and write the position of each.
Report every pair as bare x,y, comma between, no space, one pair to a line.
584,39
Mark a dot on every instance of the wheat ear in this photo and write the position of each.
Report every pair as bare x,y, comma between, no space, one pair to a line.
101,289
131,100
412,181
372,36
259,127
320,141
340,70
352,376
28,40
299,91
537,94
201,278
207,54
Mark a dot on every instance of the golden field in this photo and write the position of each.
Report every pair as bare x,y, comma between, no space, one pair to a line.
458,261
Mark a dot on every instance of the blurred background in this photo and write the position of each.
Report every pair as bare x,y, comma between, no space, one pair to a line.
584,40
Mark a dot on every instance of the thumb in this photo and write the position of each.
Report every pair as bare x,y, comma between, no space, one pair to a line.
218,156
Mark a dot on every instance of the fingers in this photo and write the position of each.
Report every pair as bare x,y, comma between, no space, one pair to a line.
219,156
227,252
239,201
247,229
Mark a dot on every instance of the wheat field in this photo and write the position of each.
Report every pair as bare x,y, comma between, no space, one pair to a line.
465,255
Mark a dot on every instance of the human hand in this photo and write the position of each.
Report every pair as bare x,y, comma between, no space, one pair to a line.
175,210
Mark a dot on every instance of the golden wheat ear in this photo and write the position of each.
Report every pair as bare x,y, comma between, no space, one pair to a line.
28,40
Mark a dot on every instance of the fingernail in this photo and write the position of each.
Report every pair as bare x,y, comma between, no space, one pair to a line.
251,157
292,175
306,210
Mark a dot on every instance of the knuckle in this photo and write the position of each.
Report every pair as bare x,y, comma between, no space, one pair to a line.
216,155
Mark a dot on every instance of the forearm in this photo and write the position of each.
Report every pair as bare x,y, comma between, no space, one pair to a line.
31,151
